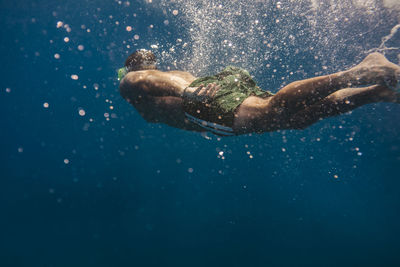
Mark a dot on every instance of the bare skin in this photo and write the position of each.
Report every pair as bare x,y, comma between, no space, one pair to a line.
158,97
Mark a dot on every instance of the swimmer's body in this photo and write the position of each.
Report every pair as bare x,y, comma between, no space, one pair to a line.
169,97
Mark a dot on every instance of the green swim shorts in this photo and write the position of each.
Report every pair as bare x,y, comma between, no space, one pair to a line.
235,84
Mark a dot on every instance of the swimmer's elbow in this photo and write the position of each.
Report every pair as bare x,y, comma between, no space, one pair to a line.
131,90
124,88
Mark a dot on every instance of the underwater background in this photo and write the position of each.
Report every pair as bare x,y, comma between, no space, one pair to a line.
85,181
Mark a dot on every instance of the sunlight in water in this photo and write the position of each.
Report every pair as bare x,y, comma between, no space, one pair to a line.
215,33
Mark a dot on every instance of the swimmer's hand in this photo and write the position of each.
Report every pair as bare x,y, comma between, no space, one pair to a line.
202,94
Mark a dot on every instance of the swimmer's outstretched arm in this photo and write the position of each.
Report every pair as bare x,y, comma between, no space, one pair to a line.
143,83
156,96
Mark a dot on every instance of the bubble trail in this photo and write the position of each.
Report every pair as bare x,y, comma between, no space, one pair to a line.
382,47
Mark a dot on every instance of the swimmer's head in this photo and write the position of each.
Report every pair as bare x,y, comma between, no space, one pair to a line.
141,60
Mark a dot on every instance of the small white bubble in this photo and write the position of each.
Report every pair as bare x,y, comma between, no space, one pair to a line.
190,170
57,56
136,37
60,24
166,22
8,90
74,77
66,39
96,86
66,161
128,28
81,47
175,12
46,105
82,112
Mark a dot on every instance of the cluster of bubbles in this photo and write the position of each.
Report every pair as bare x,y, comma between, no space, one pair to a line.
267,34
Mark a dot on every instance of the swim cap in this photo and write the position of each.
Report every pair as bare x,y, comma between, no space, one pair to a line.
141,60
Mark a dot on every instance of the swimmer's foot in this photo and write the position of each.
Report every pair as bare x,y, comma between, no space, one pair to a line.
376,69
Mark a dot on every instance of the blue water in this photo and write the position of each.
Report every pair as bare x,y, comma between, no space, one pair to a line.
86,191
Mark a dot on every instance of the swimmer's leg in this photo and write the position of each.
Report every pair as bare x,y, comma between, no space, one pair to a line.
340,102
374,69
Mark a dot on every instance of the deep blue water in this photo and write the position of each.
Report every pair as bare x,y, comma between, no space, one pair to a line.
139,194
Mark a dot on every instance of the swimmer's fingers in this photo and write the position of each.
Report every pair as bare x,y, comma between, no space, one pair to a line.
204,91
213,91
197,91
210,88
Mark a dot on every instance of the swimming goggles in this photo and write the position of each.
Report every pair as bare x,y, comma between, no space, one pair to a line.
121,73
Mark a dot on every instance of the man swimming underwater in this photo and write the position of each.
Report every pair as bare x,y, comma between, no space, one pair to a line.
230,102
